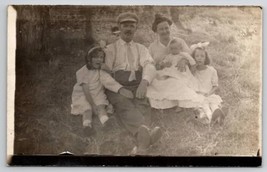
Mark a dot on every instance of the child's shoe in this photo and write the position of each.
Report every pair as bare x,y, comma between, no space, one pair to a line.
199,113
103,119
204,121
200,116
217,117
109,124
110,109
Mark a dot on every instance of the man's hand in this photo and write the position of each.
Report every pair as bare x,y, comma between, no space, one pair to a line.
181,65
142,88
126,93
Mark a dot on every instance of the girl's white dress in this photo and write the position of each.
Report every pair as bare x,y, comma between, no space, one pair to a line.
171,85
96,80
208,78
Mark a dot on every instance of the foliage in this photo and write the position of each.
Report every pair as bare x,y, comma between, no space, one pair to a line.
44,124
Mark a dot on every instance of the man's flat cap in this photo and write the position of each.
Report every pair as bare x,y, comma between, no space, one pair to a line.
127,17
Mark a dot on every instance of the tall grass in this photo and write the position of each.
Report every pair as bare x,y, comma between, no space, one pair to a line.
43,96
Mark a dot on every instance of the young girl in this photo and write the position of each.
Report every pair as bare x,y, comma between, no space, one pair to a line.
207,79
171,87
88,95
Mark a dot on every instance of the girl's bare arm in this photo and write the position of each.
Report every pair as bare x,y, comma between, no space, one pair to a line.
212,91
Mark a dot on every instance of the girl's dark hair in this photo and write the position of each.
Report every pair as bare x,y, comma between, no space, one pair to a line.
207,59
91,54
159,18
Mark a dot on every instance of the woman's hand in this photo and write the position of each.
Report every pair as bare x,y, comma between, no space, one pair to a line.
142,89
181,65
206,94
167,64
162,65
126,93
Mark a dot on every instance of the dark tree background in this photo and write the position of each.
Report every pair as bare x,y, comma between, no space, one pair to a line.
51,45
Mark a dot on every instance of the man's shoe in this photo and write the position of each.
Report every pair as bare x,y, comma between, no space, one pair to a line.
217,117
155,135
143,138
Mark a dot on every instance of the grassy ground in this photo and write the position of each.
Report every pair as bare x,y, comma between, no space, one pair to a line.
43,124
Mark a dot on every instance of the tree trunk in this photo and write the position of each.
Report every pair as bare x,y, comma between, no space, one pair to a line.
88,40
175,15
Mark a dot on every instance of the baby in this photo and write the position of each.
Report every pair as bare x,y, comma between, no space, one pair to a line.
175,55
168,66
173,85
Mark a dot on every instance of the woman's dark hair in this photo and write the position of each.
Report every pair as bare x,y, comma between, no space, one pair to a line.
91,54
207,59
159,18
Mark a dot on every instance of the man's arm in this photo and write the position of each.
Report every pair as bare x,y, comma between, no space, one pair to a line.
112,85
149,72
147,63
142,89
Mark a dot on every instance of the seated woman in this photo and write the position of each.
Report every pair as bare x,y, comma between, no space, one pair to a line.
159,50
173,85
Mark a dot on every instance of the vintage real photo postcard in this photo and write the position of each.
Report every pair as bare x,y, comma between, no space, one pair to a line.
134,83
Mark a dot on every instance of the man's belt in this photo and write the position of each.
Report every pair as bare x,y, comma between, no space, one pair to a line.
122,77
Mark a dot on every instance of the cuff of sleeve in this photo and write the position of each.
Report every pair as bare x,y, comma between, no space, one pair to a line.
147,78
81,83
117,88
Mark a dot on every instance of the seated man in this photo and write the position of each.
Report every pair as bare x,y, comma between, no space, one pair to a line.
132,66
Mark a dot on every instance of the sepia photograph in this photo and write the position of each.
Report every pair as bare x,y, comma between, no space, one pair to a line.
134,81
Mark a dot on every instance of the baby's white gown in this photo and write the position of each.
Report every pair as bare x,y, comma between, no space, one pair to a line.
172,87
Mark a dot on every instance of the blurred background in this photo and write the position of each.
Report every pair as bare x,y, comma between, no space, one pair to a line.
52,42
